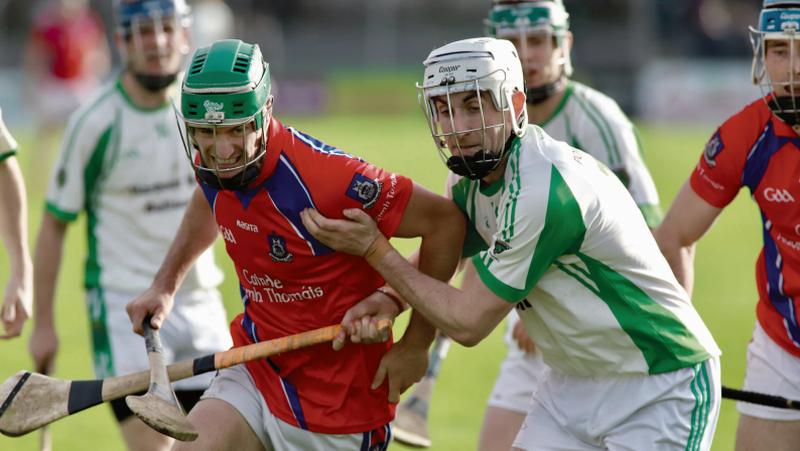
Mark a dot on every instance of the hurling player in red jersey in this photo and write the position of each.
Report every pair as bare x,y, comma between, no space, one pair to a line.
759,148
256,176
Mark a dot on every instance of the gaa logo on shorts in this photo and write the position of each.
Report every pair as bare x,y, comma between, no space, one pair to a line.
365,190
713,149
778,195
277,248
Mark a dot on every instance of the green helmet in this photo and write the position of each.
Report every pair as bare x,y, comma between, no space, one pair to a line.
226,85
510,18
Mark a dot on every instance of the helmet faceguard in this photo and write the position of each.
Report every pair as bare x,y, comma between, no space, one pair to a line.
479,65
779,21
518,20
226,90
160,21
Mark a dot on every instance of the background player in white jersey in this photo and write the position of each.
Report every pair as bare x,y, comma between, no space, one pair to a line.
580,116
555,235
18,294
122,163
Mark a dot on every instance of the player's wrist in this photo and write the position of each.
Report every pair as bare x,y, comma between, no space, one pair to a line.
386,291
377,250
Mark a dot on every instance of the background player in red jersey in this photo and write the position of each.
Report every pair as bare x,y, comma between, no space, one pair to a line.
757,147
255,177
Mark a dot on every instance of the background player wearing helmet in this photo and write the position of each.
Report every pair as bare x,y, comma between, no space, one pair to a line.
553,233
757,147
255,176
17,299
580,116
121,163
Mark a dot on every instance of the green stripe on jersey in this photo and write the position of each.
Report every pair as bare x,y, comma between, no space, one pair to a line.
101,343
603,127
652,215
461,194
7,154
61,215
91,175
562,233
666,344
567,94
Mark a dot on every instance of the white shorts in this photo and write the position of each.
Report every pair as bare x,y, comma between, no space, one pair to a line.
235,386
519,375
197,326
669,411
773,371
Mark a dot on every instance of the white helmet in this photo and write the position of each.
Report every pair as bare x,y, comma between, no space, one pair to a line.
477,64
779,20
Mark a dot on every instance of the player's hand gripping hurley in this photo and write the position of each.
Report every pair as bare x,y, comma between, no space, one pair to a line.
29,401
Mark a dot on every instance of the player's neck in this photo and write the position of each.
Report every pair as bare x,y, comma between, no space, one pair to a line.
541,112
141,97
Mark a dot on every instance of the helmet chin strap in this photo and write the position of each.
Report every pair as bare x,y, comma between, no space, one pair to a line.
787,108
537,95
235,183
479,165
155,83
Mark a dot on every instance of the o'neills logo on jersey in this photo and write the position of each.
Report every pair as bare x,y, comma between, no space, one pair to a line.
269,289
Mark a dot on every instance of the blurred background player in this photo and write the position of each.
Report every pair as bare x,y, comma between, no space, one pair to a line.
18,296
757,148
66,59
122,163
582,117
255,175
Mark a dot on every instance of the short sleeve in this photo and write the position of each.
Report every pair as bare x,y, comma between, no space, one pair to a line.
78,168
717,177
537,224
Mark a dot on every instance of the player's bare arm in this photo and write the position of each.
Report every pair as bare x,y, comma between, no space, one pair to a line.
688,219
467,315
197,233
13,232
47,260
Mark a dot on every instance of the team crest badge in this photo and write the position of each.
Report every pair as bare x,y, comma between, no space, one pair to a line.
214,113
277,248
500,247
365,190
713,149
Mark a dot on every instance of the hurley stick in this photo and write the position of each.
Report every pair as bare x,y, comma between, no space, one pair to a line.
159,408
29,401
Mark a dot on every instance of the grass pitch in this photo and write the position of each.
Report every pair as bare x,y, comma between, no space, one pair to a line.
725,291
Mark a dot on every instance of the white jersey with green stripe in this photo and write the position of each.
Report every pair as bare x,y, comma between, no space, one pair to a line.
593,122
126,168
560,237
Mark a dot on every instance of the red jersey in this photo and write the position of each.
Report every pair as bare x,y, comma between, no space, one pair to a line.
291,283
755,149
68,40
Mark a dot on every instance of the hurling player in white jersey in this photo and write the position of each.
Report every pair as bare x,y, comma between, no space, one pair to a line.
17,298
553,234
122,163
580,116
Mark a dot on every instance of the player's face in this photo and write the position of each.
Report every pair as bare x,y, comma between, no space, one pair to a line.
782,59
157,47
224,148
471,123
541,59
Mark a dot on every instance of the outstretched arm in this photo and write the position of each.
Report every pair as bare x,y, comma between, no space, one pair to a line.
688,218
14,234
467,315
197,232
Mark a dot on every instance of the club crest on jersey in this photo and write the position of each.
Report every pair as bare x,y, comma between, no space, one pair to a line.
364,190
500,247
277,248
713,148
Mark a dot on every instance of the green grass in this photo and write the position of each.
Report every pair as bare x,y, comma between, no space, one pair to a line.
724,290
